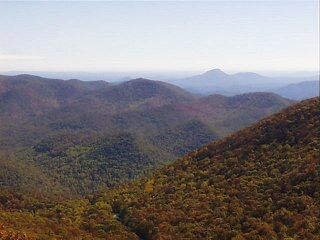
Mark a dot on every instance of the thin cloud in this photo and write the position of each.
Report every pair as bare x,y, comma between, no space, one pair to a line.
19,57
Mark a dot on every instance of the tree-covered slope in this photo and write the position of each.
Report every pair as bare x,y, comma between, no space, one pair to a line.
262,182
91,164
85,136
25,217
229,114
33,108
30,106
259,183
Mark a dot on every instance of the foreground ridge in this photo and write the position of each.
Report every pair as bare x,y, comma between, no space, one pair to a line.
259,183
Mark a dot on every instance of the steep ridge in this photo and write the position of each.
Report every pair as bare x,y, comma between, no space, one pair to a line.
261,182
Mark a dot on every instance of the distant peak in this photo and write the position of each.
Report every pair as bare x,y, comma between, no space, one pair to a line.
140,79
215,71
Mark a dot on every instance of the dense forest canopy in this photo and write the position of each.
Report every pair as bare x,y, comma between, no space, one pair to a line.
261,182
79,137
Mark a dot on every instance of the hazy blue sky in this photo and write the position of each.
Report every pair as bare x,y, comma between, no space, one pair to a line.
186,36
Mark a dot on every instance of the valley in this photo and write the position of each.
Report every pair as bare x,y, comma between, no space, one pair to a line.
260,182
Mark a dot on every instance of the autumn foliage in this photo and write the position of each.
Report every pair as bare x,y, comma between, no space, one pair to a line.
262,182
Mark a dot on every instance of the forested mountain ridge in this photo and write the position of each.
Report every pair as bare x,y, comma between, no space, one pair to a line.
63,128
259,183
56,119
33,107
30,105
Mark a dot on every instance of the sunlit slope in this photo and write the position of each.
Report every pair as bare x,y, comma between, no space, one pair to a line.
259,183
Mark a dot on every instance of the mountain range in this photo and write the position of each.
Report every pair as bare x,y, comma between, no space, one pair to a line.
214,81
217,81
216,78
261,182
84,136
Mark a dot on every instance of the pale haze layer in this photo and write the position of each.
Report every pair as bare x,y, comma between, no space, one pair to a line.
159,36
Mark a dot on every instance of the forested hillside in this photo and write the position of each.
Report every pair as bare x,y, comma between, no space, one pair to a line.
260,183
86,136
33,108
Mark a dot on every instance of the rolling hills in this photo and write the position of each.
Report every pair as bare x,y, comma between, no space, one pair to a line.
261,182
86,136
